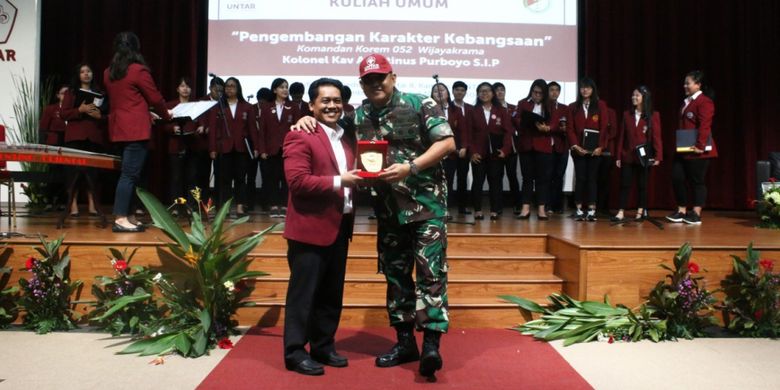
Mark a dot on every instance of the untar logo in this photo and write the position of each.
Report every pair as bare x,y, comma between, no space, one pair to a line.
7,20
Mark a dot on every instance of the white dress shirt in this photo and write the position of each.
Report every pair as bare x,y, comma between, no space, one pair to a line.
334,136
689,99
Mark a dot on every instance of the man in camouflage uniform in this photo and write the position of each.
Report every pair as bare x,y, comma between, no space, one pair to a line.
410,206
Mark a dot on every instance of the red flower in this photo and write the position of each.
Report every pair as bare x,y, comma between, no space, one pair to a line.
120,265
29,263
611,339
766,264
693,268
758,314
225,343
772,180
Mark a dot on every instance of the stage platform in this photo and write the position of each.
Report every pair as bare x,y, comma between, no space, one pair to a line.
528,258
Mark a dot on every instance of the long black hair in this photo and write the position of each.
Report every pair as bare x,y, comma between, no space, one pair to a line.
545,95
698,77
647,104
239,90
276,83
593,107
126,52
75,82
494,101
449,96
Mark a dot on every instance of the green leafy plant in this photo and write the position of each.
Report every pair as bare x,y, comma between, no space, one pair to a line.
752,303
200,316
46,295
8,297
582,321
681,298
768,208
125,302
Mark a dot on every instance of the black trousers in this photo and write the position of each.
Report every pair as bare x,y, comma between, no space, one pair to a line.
459,166
182,175
251,182
691,171
560,162
606,167
537,170
232,170
493,168
74,174
586,170
510,166
277,184
627,173
314,296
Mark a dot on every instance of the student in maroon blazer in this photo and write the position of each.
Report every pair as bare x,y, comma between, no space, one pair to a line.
490,143
459,89
697,113
607,164
588,112
636,129
458,161
510,162
132,92
535,147
84,130
54,134
560,116
185,141
230,145
320,172
276,121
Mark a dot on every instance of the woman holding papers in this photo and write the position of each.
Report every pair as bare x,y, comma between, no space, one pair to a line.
186,143
489,144
276,119
537,125
589,137
83,110
233,137
132,92
691,161
639,147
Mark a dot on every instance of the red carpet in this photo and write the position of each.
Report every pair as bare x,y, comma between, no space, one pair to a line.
473,359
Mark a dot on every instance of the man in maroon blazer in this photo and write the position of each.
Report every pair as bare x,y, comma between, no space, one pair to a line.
320,171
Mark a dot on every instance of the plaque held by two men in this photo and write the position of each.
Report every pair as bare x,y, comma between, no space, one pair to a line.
372,157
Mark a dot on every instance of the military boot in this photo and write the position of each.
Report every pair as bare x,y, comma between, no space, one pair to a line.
430,361
402,352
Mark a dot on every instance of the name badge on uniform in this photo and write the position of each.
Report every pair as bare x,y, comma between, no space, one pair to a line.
243,116
689,115
289,118
595,117
644,129
498,121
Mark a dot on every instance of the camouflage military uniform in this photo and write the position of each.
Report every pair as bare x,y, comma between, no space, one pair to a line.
410,213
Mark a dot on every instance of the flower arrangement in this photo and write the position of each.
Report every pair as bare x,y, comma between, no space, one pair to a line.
574,321
682,300
752,304
46,295
8,296
199,317
124,302
768,207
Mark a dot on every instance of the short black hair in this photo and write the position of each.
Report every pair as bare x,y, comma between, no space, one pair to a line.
553,84
460,84
296,88
265,95
346,93
314,87
498,85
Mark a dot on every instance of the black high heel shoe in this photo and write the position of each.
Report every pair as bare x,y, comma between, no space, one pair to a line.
478,216
493,217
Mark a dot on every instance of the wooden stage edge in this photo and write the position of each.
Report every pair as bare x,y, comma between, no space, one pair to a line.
530,258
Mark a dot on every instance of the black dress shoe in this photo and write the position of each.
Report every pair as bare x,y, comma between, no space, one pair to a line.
121,229
478,217
494,217
306,367
521,216
616,219
543,217
332,359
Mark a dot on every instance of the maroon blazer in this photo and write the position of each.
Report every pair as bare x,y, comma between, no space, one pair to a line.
80,126
242,125
131,97
596,120
499,125
179,143
314,208
632,134
559,112
531,139
698,115
459,126
273,130
52,122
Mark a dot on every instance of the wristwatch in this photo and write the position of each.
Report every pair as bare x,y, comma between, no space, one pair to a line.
413,168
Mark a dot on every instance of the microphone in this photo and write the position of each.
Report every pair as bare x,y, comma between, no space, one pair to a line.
250,97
